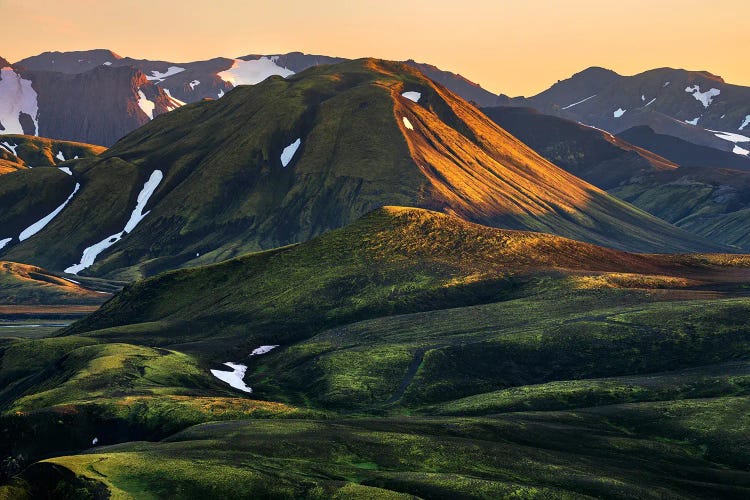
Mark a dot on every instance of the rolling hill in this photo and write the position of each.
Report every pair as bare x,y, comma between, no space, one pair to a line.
288,159
411,353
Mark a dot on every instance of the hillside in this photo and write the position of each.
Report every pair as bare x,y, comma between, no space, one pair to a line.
593,155
288,159
411,353
23,151
28,285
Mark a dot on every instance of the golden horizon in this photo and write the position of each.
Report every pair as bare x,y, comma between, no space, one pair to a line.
514,48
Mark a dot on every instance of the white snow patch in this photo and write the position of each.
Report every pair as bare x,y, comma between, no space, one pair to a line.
60,156
704,97
252,72
108,63
643,98
16,97
649,103
694,121
91,253
666,84
579,102
407,123
221,93
740,151
146,105
619,112
159,76
730,136
288,153
72,281
94,441
745,123
39,225
412,96
233,378
174,102
66,170
10,147
194,84
5,242
263,350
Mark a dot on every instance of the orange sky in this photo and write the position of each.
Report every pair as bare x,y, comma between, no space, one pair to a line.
514,47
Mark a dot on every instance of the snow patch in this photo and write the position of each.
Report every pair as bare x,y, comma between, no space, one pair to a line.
194,84
160,77
66,170
16,96
263,350
694,121
706,98
407,123
619,112
39,225
412,96
643,98
288,153
253,72
174,102
5,242
94,441
649,103
91,253
108,63
60,156
233,378
745,123
579,102
740,151
730,136
221,93
666,84
11,148
146,105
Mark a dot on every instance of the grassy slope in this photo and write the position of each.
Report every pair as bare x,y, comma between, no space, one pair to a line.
30,285
32,151
594,341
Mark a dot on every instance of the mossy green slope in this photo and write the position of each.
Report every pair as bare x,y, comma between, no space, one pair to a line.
24,151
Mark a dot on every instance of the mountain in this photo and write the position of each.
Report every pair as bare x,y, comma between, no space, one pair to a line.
593,155
25,151
410,353
683,152
169,84
690,190
98,106
693,105
288,159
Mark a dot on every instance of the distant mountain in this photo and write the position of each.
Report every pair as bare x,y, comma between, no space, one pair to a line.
696,106
97,106
288,159
165,85
592,154
683,152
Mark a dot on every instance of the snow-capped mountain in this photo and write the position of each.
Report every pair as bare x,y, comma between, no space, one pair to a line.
693,105
97,106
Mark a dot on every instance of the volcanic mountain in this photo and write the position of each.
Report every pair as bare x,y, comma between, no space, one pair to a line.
696,106
288,159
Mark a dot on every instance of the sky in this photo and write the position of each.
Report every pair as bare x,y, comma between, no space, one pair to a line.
512,47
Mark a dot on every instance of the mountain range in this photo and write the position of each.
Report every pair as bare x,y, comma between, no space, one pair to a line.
299,276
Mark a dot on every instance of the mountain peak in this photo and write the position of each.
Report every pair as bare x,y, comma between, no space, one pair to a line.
4,62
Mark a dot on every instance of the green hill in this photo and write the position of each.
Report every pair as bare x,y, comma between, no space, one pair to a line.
418,354
22,151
